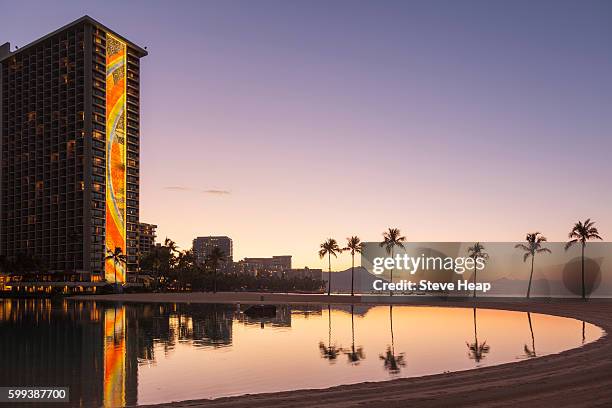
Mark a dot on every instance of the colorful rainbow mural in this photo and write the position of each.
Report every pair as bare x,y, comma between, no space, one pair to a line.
114,357
115,155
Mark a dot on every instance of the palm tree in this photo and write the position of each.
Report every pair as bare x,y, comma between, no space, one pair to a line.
477,251
534,246
530,352
582,233
153,262
477,350
171,245
354,245
329,352
329,248
117,257
392,362
356,354
185,262
213,259
391,239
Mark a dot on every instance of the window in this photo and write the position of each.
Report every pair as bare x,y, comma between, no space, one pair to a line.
70,147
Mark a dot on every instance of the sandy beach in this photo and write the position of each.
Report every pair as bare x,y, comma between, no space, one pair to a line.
580,377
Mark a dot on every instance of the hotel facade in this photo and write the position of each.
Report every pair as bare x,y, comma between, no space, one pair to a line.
203,246
69,145
147,234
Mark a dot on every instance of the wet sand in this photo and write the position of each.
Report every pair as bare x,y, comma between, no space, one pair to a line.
580,377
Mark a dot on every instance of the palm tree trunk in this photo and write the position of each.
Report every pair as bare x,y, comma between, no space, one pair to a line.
474,282
115,264
353,276
215,280
530,277
329,275
583,289
390,291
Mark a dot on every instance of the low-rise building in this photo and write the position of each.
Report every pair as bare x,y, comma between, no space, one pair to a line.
306,272
257,266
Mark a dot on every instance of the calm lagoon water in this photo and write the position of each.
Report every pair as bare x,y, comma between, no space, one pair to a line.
115,355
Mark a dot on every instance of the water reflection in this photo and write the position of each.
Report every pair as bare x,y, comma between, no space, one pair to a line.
392,362
117,371
477,351
330,351
355,354
116,355
531,352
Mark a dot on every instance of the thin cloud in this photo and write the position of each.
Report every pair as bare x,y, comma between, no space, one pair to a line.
210,191
178,188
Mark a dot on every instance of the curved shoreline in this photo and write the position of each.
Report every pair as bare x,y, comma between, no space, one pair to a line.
579,377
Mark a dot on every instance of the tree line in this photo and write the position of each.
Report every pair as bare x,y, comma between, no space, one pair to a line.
580,234
173,269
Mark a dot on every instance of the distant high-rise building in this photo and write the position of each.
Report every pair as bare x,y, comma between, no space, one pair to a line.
69,142
202,246
146,237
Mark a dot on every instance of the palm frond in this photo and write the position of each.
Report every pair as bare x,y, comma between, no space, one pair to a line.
523,247
594,234
354,245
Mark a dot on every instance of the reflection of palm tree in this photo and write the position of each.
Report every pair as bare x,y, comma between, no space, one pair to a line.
475,252
356,354
329,352
354,245
392,362
530,352
582,233
329,248
391,239
533,247
583,338
477,350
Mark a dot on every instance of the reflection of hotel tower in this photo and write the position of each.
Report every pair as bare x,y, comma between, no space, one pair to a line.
88,349
120,359
69,131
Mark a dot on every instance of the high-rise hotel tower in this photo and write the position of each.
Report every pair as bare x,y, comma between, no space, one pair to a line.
69,131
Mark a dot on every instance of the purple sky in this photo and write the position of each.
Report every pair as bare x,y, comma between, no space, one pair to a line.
450,120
